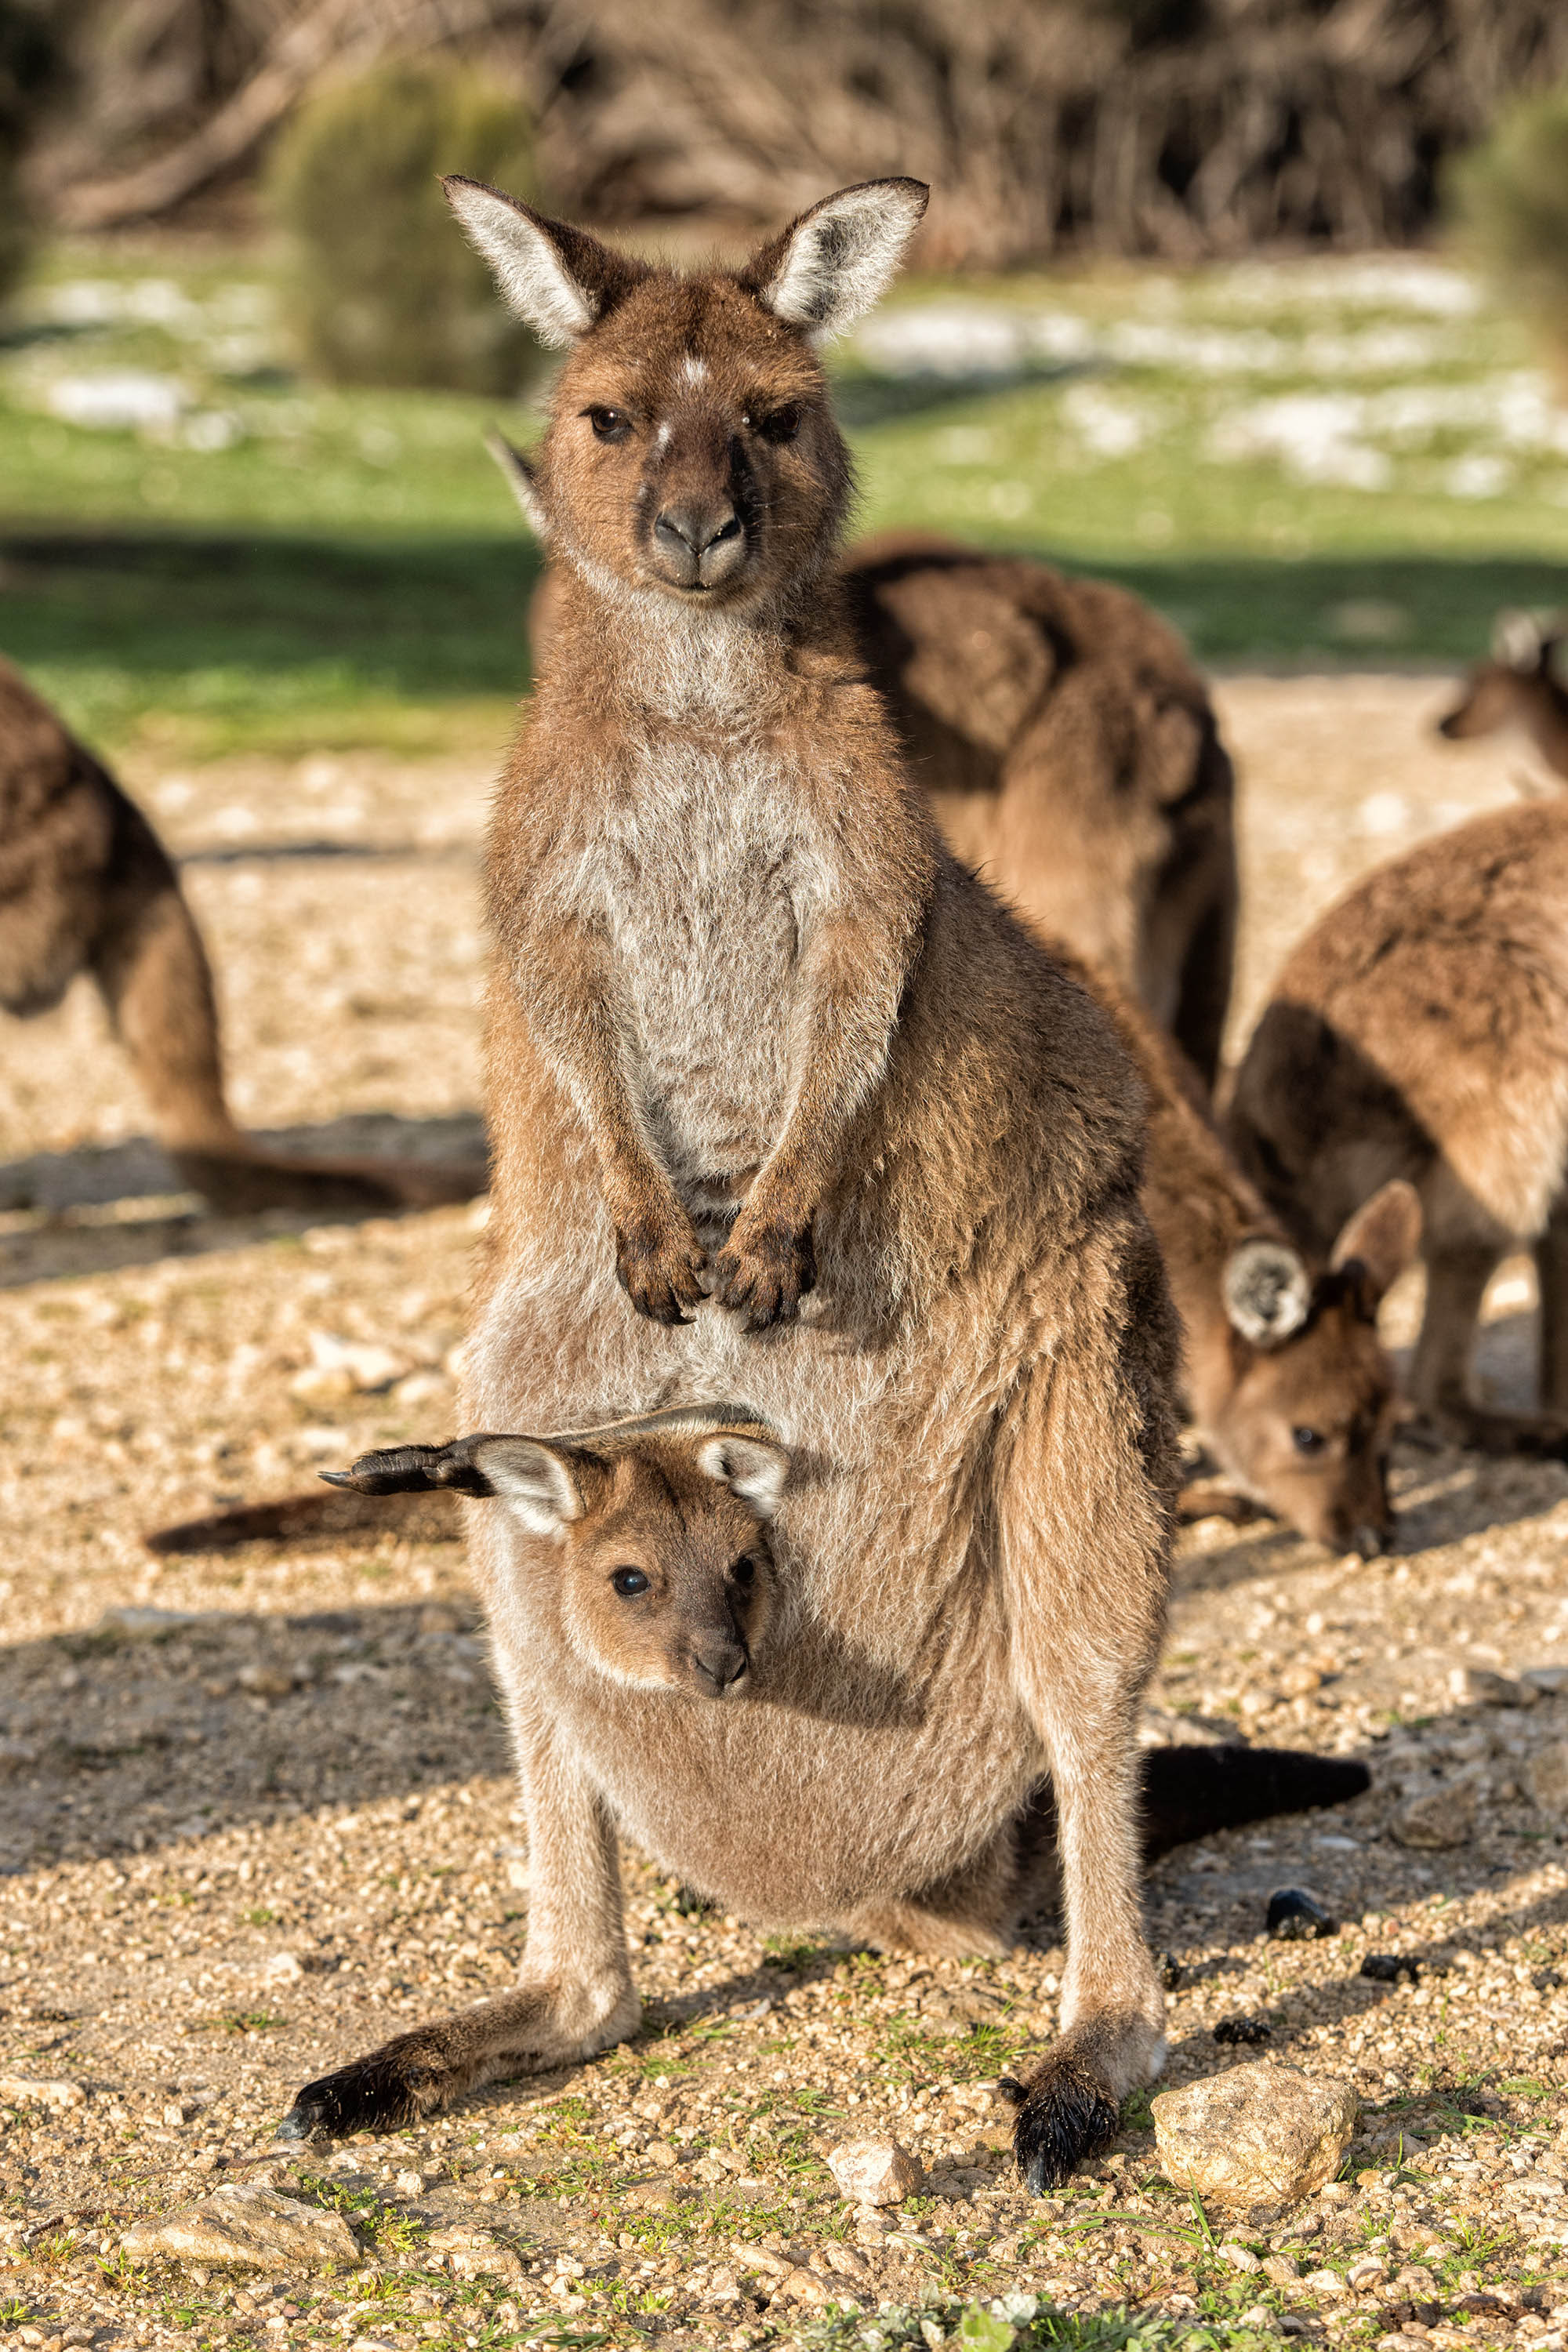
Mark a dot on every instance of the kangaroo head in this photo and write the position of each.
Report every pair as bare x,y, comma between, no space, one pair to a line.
691,454
664,1572
1508,689
1312,1403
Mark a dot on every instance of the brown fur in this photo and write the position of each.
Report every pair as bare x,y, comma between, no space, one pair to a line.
1068,749
1286,1379
752,1030
1420,1030
86,885
1519,687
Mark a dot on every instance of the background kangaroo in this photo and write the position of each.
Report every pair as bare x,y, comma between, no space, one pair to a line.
1420,1030
86,885
1069,751
1521,686
786,1106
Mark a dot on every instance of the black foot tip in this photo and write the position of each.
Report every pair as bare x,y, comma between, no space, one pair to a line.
1066,2115
298,2124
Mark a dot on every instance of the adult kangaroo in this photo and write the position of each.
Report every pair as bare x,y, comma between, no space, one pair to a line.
788,1110
86,885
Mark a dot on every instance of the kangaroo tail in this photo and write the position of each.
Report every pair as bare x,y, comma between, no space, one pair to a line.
1188,1792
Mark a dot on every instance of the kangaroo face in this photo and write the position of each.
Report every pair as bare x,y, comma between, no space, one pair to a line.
1310,1423
670,1584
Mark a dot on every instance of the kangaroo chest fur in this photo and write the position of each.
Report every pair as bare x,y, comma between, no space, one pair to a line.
700,879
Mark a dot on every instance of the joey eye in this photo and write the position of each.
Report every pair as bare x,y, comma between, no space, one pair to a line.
743,1573
1308,1441
778,426
609,424
630,1582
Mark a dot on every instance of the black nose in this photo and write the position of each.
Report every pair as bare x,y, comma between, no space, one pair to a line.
697,542
719,1664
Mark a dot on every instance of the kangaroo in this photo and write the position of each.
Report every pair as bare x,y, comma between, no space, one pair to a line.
1286,1379
1420,1031
1521,686
1068,749
785,1106
658,1575
86,885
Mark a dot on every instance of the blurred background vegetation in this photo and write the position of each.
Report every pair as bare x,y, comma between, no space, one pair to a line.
1258,305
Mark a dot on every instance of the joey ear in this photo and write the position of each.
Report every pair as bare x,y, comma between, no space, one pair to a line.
835,260
547,1486
559,278
1267,1290
1517,642
522,481
1382,1239
754,1468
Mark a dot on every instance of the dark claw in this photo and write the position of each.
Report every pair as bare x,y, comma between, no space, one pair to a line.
1066,2115
764,1283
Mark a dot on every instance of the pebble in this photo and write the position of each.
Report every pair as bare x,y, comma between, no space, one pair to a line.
1259,2135
874,2172
1546,1778
1297,1917
23,2091
1479,1686
241,2227
1443,1818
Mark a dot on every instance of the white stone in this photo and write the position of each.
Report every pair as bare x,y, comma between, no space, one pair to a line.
1444,1817
874,2172
241,2227
1257,2135
23,2091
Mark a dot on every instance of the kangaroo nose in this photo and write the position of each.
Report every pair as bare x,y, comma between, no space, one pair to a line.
697,543
720,1665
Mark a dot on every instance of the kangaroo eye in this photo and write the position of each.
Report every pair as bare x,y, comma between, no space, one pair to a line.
629,1582
1308,1441
779,426
743,1572
609,424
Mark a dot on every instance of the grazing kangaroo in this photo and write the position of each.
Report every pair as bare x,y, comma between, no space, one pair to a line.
1068,750
785,1106
658,1575
1285,1378
1521,686
1420,1030
86,885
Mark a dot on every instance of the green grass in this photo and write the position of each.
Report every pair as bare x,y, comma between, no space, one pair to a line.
284,568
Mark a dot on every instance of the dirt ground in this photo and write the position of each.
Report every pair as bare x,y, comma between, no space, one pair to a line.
256,1809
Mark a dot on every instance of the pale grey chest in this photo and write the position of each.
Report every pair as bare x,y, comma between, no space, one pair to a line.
705,889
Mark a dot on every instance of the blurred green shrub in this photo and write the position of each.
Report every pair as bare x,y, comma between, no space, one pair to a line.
1510,195
29,66
383,285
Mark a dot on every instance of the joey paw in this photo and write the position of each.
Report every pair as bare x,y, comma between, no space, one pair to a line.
661,1265
762,1275
1066,2113
394,2085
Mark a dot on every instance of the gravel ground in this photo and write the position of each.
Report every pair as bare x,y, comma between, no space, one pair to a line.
256,1810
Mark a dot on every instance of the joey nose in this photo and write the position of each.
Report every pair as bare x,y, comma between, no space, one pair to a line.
720,1665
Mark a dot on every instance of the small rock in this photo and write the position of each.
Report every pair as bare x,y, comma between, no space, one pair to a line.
1257,2134
874,2172
1444,1817
1242,2029
1240,2258
1325,2283
1257,2315
1281,2270
1550,1680
264,1682
1297,1917
653,2196
805,2286
1546,1778
472,2254
1479,1686
22,2091
1387,1968
240,2227
772,2265
409,2184
659,2152
284,1967
1366,2274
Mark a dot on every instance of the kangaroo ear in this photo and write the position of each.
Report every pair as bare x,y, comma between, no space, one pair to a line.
1382,1239
838,258
547,1486
1268,1291
559,278
522,481
1517,641
754,1468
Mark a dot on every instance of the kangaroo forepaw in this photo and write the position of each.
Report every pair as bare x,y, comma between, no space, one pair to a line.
660,1268
763,1274
396,2085
1066,2113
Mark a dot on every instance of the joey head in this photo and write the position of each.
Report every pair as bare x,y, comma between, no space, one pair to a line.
665,1579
